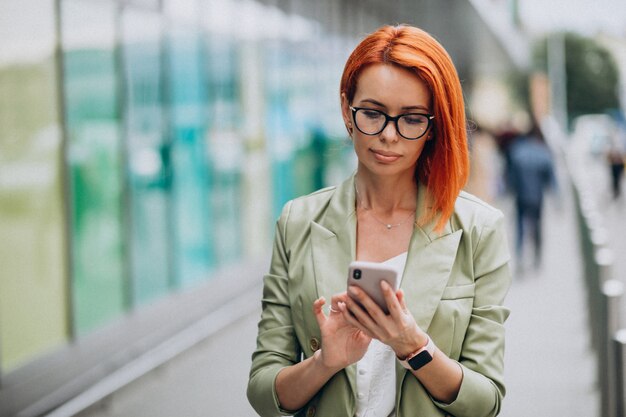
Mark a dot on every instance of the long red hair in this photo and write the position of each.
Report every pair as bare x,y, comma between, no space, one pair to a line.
443,165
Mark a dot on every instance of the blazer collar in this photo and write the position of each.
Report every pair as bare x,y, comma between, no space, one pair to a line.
429,262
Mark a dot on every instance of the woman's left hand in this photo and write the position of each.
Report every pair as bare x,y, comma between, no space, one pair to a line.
397,329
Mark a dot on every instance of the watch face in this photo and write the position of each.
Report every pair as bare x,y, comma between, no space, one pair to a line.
420,360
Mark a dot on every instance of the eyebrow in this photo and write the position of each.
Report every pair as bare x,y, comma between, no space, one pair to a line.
379,104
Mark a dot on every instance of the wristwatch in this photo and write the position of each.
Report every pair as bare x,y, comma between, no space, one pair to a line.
419,358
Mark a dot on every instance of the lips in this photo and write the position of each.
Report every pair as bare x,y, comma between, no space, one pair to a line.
385,156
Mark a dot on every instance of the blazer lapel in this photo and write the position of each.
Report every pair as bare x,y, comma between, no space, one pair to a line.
334,242
428,265
427,272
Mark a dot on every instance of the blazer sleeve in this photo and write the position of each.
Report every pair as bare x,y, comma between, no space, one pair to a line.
277,346
482,354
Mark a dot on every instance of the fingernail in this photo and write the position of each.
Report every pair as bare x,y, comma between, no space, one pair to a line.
352,290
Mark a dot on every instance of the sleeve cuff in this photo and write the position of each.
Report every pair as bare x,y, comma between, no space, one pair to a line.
478,396
264,399
277,405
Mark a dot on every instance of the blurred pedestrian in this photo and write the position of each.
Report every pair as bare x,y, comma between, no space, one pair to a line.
615,158
440,349
505,135
531,172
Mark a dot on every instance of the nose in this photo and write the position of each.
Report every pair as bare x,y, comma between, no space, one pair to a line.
390,132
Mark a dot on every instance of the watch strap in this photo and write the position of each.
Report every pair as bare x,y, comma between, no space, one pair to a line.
420,357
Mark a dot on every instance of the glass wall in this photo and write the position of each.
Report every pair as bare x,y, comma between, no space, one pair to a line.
187,103
33,276
148,152
186,126
94,158
225,146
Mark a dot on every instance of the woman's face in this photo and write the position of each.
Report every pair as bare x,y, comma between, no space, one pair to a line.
392,90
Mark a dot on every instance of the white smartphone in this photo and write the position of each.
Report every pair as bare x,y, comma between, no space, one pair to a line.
368,275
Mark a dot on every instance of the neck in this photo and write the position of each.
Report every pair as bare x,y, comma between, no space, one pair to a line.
386,194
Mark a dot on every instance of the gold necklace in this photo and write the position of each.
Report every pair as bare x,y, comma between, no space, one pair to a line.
389,226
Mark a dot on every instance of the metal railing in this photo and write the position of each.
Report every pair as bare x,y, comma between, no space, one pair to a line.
604,294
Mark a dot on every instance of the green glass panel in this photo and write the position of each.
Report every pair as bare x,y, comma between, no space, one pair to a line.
149,156
88,35
281,142
225,150
33,286
194,255
306,130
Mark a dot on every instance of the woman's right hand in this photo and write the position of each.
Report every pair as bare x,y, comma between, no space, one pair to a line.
342,343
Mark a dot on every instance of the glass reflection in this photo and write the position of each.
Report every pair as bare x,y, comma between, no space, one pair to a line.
149,155
92,117
225,145
194,254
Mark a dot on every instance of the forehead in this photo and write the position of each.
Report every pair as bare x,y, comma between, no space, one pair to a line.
393,86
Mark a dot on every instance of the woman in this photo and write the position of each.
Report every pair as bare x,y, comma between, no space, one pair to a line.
440,350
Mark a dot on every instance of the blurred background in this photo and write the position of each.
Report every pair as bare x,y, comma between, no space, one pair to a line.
147,148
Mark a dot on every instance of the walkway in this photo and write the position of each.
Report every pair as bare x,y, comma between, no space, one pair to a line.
550,367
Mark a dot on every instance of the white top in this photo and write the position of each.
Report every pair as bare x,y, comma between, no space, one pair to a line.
376,371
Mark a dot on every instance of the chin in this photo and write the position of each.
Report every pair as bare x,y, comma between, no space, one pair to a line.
383,169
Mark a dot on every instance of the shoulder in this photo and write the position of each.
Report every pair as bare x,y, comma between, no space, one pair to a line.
298,213
310,204
473,214
484,232
308,207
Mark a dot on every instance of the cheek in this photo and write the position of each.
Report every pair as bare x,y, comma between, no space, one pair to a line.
360,144
415,152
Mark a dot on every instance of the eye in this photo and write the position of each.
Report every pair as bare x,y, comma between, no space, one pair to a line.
371,114
414,119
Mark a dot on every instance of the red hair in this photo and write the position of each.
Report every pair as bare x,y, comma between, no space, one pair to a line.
443,165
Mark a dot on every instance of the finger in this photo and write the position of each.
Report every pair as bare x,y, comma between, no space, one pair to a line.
361,315
366,303
353,321
317,311
339,297
401,300
391,298
399,310
335,300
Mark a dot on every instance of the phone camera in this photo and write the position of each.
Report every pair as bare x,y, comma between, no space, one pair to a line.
356,274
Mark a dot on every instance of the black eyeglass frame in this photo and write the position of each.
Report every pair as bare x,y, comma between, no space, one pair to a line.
394,119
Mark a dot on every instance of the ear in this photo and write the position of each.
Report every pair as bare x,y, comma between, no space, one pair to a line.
346,113
345,110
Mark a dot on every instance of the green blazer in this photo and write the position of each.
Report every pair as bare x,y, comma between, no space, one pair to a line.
455,283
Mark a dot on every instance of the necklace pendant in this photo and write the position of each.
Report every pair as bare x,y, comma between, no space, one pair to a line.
388,227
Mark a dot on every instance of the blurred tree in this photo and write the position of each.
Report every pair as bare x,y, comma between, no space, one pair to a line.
592,75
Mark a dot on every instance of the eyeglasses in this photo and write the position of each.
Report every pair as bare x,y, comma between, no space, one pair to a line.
410,126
